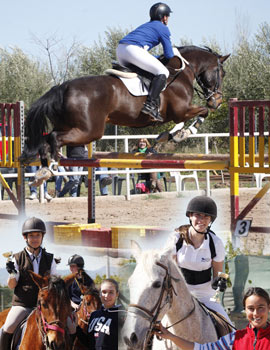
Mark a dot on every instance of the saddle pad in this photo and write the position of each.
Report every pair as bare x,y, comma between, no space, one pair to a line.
135,86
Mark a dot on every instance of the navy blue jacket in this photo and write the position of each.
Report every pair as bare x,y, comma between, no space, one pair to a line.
151,34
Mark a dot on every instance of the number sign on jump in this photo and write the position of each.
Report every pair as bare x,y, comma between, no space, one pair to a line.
242,227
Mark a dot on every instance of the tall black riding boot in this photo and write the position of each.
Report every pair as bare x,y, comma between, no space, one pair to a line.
5,340
151,105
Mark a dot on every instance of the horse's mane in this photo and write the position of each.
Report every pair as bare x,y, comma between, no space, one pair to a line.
189,48
57,284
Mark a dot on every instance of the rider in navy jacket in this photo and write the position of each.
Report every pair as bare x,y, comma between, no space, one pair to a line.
134,47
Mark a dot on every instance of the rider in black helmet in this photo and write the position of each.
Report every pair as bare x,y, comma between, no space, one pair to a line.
76,265
200,253
32,258
133,48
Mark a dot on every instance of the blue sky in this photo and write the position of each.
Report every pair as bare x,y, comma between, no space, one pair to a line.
87,20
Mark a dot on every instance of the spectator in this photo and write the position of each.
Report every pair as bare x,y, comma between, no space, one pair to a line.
104,181
152,179
78,152
33,189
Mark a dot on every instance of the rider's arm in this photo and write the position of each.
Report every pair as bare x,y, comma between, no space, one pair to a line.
53,268
217,267
14,277
165,39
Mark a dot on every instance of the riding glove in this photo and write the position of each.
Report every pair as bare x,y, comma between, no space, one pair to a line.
219,282
10,267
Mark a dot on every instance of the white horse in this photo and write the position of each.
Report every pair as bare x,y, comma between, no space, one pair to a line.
158,289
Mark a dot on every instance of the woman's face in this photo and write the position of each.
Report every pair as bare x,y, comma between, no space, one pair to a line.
142,143
200,221
257,311
108,294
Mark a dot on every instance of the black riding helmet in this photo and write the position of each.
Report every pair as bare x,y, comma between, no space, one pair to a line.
33,225
76,260
158,11
202,205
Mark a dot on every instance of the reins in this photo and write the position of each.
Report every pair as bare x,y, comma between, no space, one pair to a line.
152,315
205,93
44,326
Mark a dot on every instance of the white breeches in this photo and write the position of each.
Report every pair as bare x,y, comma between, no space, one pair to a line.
15,316
216,306
140,58
19,313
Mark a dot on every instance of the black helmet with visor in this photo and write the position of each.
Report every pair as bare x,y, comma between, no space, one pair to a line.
158,11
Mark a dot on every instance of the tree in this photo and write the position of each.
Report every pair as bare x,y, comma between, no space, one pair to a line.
21,78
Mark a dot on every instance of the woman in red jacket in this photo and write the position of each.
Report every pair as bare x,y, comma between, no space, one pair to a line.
256,336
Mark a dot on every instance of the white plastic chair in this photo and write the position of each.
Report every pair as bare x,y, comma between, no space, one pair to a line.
259,177
180,179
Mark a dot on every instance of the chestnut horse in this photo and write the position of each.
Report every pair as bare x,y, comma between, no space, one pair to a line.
78,109
46,327
91,302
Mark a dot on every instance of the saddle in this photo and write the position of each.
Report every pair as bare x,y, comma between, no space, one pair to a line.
221,324
18,335
131,71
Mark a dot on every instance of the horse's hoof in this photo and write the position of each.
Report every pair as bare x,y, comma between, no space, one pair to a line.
181,135
163,137
42,175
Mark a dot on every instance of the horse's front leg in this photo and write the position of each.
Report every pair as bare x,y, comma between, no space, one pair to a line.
178,133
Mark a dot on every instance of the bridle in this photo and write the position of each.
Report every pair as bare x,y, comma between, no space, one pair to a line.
152,315
207,93
86,314
44,326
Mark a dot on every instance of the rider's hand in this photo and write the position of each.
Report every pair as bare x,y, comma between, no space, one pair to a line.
10,267
219,282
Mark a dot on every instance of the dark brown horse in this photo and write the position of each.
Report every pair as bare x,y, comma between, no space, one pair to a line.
78,109
91,302
46,327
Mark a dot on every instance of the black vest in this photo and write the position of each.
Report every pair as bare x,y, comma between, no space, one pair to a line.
26,291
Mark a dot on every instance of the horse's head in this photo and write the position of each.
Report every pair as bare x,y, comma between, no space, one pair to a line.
151,295
91,302
53,309
210,79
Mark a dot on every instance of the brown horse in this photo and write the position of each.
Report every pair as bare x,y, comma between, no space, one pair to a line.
3,316
78,109
91,302
46,327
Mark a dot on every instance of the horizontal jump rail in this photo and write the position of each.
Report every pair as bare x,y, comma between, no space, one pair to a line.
147,163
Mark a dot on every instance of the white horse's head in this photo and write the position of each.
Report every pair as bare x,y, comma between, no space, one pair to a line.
151,293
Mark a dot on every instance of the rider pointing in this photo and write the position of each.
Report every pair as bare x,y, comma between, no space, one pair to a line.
133,48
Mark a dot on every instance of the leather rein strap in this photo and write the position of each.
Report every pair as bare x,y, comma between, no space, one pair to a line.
152,315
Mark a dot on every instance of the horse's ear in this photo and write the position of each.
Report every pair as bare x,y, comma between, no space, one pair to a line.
39,280
224,58
136,249
69,279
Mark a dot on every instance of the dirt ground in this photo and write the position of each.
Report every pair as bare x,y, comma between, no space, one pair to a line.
166,210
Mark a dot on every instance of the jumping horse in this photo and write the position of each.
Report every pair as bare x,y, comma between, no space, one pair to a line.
46,327
75,112
91,302
158,292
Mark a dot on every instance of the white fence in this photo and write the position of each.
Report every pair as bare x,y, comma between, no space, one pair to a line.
129,171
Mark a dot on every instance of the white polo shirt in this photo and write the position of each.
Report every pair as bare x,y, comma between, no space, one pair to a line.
199,259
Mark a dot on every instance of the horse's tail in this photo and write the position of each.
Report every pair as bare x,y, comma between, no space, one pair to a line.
50,106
